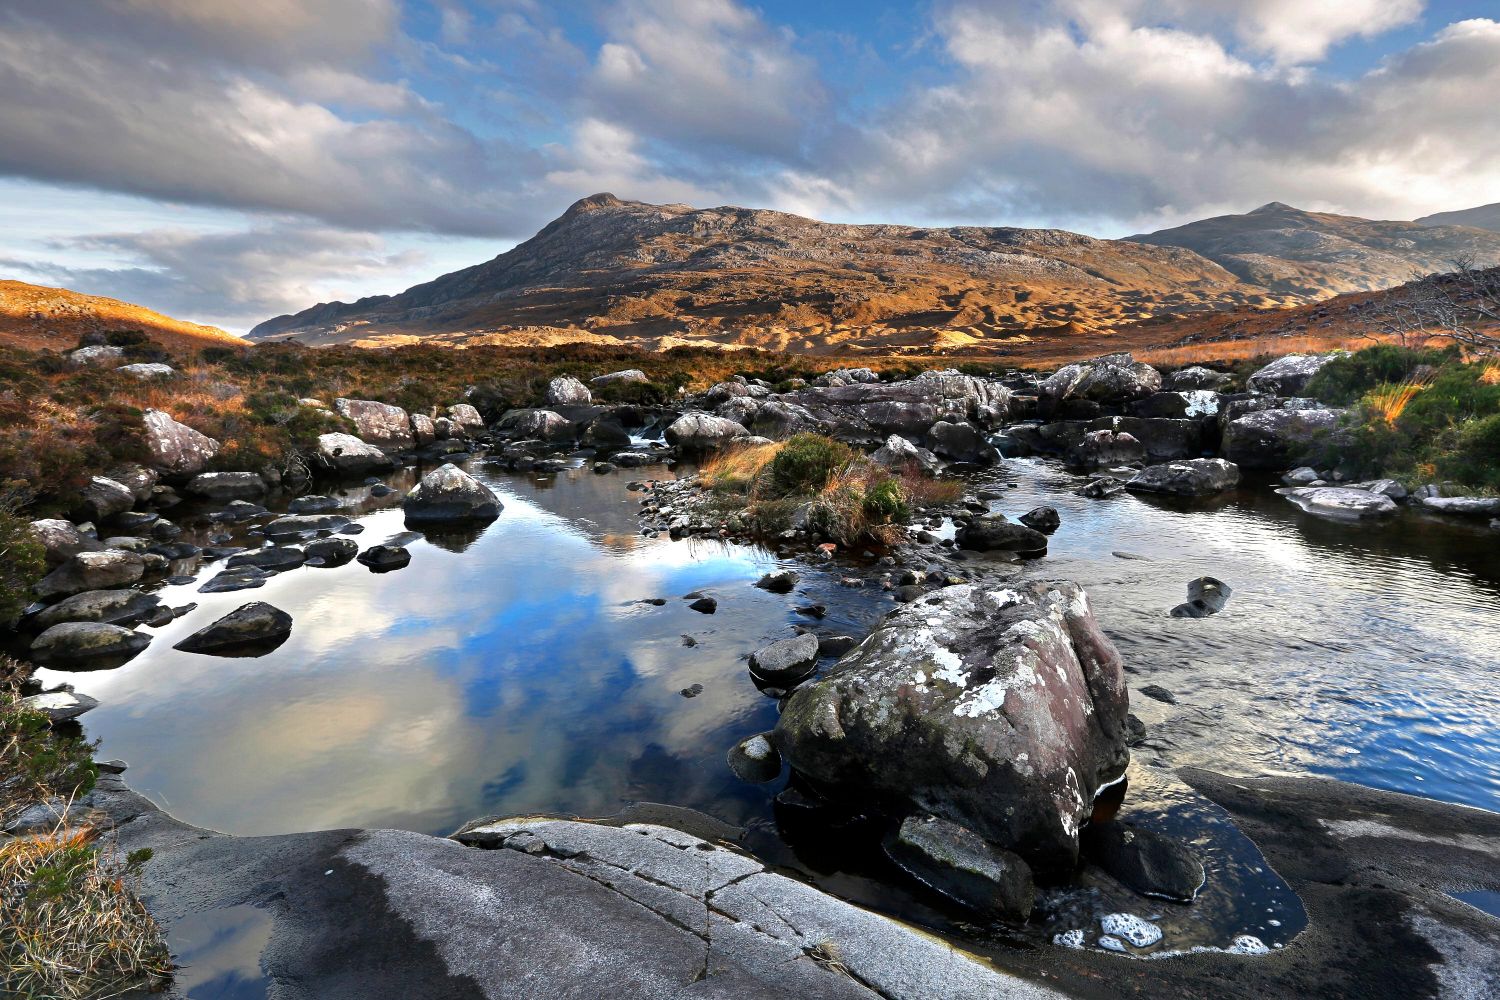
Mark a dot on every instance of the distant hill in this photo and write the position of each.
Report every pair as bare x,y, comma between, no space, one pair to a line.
35,316
1312,255
1483,217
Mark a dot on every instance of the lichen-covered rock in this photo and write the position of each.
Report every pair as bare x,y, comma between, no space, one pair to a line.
1274,439
955,861
175,447
466,419
1197,377
347,455
544,424
1002,710
96,354
148,370
1105,447
78,642
1288,376
61,540
900,455
696,431
378,423
423,429
102,498
614,378
447,494
1187,404
565,390
103,570
1337,502
1189,478
227,485
253,626
1112,379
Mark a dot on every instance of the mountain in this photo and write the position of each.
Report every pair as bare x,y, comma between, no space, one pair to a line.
35,316
1313,255
1483,217
660,275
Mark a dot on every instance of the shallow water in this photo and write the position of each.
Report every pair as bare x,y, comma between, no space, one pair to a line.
516,669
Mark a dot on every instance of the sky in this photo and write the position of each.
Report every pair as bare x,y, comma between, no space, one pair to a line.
226,162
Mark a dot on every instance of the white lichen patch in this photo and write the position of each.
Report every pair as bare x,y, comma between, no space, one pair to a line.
990,696
1137,930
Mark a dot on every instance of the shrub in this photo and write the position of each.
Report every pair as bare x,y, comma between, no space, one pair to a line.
885,502
1345,379
804,465
1475,457
22,559
38,764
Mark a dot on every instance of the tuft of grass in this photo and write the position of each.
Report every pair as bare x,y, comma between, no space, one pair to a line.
22,559
1388,402
37,764
734,470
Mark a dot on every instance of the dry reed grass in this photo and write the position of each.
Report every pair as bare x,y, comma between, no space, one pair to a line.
1388,402
734,469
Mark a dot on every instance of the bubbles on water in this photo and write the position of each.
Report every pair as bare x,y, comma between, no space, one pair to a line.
1069,939
1111,943
1248,944
1138,931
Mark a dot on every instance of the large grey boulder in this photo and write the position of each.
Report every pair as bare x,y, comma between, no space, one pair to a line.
175,447
775,418
544,424
696,431
1002,710
466,419
1288,376
995,533
61,540
113,607
377,423
447,494
1275,439
900,455
250,627
1464,506
961,441
80,642
1190,478
95,354
138,479
786,661
1112,379
565,390
148,370
872,411
955,861
102,498
615,378
102,570
227,485
347,455
1338,502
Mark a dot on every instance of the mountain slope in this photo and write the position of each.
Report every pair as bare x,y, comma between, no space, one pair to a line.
1312,255
1483,217
661,275
36,316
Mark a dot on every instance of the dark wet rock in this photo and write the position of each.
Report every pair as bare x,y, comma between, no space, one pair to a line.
692,690
995,533
276,558
352,528
1113,379
958,863
1190,405
1463,506
175,550
293,527
161,615
102,498
347,455
1146,861
257,626
836,645
1189,477
61,540
786,661
227,485
908,592
175,447
448,494
634,459
103,570
1135,730
134,521
215,552
933,707
1158,693
377,423
239,578
78,642
313,504
961,442
1288,376
1339,503
813,611
755,760
384,558
704,605
113,607
331,552
1043,519
60,705
164,531
1273,439
779,581
1206,596
605,433
238,510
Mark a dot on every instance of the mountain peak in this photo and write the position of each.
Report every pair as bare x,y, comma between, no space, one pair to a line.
593,203
1273,207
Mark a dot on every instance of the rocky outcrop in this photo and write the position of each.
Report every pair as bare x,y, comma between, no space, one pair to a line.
1275,439
175,447
1191,478
565,390
378,423
1113,379
449,494
256,627
1289,376
347,455
102,570
696,431
1001,710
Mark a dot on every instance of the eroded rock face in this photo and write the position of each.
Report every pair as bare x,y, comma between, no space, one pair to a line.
1288,376
699,431
347,455
449,494
1190,478
175,447
1002,710
1273,439
565,390
377,423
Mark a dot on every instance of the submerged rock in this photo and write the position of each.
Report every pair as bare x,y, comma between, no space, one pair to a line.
1146,861
779,581
448,494
1002,710
77,642
256,627
755,760
786,661
958,863
1189,478
995,533
1206,596
384,558
704,605
1337,502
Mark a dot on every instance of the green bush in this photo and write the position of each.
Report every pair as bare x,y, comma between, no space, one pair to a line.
1475,457
885,502
804,466
22,559
1346,379
1457,393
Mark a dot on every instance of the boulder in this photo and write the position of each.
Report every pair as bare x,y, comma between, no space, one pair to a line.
102,570
846,376
614,378
961,442
101,498
330,552
696,431
148,370
139,480
378,423
1197,377
1105,447
275,558
958,863
1303,475
565,390
1288,376
755,760
900,455
448,494
1339,502
1389,488
1464,506
113,607
347,455
95,354
61,540
240,578
79,642
779,581
542,424
1206,596
466,419
1273,439
1146,861
424,430
227,485
1043,519
1189,478
384,558
704,605
1114,379
872,411
778,419
60,705
1001,710
995,533
787,661
296,527
256,627
1188,404
313,503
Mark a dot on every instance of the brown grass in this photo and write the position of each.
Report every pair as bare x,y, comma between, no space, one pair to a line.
734,469
1388,402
